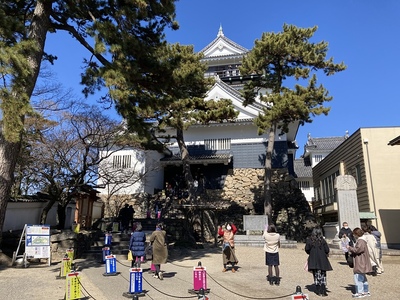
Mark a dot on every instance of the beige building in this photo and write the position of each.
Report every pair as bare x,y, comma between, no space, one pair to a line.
370,157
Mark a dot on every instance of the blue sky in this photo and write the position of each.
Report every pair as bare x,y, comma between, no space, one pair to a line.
365,35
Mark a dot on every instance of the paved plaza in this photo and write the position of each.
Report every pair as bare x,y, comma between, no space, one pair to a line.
249,282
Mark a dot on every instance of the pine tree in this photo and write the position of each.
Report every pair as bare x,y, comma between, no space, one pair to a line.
183,103
125,37
276,61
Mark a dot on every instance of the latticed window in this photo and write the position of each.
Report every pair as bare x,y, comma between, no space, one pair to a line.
304,185
217,144
318,158
122,161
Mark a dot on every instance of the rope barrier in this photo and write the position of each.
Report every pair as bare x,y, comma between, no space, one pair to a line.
298,291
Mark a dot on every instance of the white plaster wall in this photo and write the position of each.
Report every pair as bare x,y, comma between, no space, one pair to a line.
154,178
143,162
20,213
238,133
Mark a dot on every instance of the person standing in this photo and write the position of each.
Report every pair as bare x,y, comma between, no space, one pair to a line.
228,246
130,213
318,263
137,245
157,208
124,218
373,249
346,235
271,247
376,233
362,264
160,249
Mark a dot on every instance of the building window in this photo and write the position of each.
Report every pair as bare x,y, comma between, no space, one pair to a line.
122,161
328,188
358,174
318,158
304,185
217,144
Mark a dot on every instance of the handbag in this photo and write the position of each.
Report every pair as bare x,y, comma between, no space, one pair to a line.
226,247
306,265
130,256
148,251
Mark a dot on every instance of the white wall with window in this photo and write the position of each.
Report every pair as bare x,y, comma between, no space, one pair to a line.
130,171
306,186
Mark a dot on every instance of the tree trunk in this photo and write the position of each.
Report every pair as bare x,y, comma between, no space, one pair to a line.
45,211
9,151
185,163
8,159
268,172
61,216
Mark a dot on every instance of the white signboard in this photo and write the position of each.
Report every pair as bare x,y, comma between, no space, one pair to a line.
37,241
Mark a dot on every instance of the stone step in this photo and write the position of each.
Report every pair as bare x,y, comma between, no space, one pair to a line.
258,241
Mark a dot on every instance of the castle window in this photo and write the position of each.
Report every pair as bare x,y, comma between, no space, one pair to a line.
304,185
122,161
217,144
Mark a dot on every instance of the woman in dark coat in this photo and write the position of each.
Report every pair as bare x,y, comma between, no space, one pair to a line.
137,245
160,250
318,262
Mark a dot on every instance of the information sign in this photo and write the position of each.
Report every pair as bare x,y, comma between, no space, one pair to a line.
37,241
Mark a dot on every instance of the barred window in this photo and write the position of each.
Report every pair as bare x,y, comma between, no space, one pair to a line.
304,185
122,161
217,144
318,158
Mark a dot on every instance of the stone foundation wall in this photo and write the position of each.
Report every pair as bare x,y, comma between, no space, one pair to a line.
61,241
245,186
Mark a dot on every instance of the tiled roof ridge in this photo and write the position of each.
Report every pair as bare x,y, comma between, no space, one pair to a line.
237,94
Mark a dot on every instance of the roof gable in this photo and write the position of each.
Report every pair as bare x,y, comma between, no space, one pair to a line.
222,46
221,90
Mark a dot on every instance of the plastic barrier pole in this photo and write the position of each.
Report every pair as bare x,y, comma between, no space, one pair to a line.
65,266
200,282
73,286
199,278
106,251
136,280
70,254
108,239
111,265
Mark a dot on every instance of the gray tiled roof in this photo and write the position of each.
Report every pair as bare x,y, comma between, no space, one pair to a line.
324,144
218,158
302,167
235,93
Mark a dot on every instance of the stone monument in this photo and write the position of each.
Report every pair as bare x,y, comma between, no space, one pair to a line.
347,202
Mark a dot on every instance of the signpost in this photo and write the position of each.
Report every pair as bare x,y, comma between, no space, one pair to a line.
37,242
